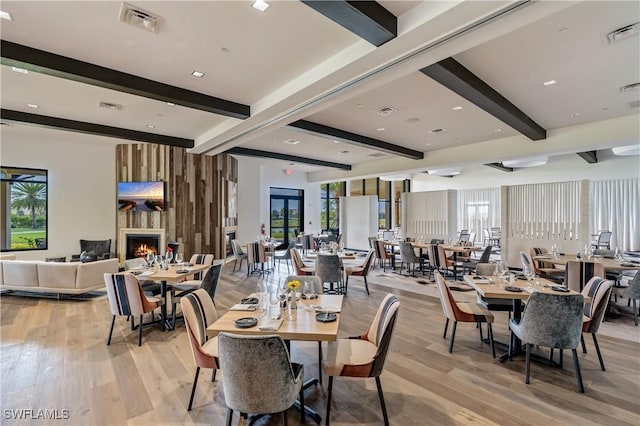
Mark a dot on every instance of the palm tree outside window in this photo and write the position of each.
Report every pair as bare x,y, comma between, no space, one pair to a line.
23,197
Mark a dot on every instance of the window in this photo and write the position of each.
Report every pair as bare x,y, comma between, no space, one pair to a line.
24,195
286,213
384,190
330,205
399,187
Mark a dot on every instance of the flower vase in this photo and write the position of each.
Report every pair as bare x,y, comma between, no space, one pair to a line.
292,307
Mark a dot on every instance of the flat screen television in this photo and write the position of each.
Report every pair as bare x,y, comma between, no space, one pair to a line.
141,196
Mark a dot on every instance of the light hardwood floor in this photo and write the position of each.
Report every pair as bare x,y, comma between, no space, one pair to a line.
54,356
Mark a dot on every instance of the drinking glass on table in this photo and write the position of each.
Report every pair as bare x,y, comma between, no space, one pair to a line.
179,258
150,259
261,293
309,293
274,301
169,257
160,261
529,274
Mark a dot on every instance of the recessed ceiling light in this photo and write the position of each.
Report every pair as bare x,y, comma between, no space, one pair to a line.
170,104
336,141
224,50
344,152
497,130
380,129
20,70
605,108
359,105
292,142
5,15
151,126
575,114
549,82
198,74
456,108
261,5
33,106
428,144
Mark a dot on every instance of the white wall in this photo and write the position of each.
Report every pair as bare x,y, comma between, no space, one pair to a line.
82,193
255,178
560,168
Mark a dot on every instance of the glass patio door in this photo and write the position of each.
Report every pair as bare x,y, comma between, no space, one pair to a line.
286,214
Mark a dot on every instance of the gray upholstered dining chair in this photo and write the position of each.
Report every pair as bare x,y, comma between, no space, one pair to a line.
408,256
329,269
633,293
553,321
258,376
361,270
286,255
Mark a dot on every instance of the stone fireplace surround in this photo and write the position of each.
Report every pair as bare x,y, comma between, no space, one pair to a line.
122,239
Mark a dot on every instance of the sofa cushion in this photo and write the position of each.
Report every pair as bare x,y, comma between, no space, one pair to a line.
22,273
91,274
57,275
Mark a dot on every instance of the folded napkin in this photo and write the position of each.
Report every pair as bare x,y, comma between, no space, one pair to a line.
244,307
271,325
146,273
326,309
481,280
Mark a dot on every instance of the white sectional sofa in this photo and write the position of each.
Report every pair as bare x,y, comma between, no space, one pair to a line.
55,277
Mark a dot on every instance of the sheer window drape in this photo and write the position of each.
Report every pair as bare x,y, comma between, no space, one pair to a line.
478,209
615,206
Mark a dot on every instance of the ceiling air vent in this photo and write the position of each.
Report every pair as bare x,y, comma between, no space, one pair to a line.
634,104
292,142
386,111
629,87
624,32
109,105
139,18
377,154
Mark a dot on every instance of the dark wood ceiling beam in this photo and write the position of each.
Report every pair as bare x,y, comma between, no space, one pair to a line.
293,158
316,129
499,166
367,19
11,116
454,76
39,61
590,157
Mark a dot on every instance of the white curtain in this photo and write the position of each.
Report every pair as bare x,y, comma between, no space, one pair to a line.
478,209
545,211
615,206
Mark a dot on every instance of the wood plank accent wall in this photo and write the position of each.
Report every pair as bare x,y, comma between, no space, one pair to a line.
197,194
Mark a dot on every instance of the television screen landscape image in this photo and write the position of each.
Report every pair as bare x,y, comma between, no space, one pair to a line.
141,196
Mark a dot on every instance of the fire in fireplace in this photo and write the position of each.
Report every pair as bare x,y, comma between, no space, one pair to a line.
140,245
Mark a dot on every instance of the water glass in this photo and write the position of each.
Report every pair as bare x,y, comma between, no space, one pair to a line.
150,259
274,302
179,258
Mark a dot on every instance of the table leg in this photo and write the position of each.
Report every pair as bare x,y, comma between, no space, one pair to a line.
167,324
308,411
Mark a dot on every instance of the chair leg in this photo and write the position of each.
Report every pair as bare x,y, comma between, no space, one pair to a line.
595,343
320,361
326,420
213,375
561,360
510,344
384,407
301,398
480,330
446,325
113,322
366,285
453,335
140,332
284,418
635,313
229,416
578,373
173,305
527,363
193,388
493,347
584,347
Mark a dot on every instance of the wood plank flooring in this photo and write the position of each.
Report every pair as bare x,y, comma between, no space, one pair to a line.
54,356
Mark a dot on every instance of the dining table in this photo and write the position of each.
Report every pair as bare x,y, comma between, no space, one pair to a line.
609,263
172,275
499,288
312,325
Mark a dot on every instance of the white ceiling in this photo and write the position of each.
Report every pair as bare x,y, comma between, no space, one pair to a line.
291,63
